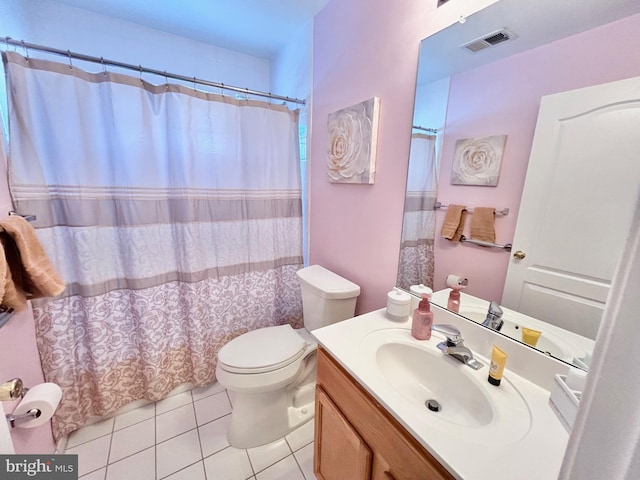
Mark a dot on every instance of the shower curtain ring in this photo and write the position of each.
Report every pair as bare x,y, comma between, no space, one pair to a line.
104,68
140,70
26,51
222,89
69,55
194,83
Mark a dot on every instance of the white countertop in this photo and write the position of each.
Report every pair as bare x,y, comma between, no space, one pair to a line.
533,454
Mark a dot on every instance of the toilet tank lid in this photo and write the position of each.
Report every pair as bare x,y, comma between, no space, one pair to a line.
327,284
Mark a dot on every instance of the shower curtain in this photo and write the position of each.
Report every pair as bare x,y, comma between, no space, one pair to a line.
173,215
416,263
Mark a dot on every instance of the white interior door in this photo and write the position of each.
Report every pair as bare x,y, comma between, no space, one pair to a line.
582,183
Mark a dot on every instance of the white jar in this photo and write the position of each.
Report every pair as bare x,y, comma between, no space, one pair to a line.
417,291
398,305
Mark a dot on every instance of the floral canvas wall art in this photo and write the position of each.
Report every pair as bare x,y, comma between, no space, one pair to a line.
352,143
476,161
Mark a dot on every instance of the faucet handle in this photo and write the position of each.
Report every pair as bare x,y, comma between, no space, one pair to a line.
452,333
494,309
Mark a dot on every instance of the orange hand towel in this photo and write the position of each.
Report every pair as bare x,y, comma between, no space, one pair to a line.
11,295
454,222
483,225
32,271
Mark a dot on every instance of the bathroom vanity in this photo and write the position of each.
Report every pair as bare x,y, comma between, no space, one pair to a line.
371,419
357,438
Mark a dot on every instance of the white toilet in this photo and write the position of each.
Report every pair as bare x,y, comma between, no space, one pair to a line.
270,373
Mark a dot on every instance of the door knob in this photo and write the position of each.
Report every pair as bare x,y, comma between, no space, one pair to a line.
519,255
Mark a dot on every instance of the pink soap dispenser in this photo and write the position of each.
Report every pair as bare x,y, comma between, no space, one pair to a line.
456,284
422,319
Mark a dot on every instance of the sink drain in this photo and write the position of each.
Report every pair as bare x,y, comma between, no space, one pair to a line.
433,405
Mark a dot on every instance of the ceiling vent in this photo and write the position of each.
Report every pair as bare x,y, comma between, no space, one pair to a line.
490,40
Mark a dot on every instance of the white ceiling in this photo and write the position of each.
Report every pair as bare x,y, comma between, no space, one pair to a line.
535,22
255,27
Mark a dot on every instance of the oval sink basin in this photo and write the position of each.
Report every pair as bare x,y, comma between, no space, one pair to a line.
409,373
420,375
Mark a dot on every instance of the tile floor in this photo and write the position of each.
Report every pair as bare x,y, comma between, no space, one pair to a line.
183,437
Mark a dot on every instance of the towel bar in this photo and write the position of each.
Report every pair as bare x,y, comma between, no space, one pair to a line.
481,243
438,205
27,217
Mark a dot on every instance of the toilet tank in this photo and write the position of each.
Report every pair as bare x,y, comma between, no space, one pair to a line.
326,297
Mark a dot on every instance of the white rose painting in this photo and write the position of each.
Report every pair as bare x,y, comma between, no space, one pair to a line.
352,143
476,161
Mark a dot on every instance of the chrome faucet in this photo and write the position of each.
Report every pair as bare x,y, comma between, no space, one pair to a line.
494,317
454,345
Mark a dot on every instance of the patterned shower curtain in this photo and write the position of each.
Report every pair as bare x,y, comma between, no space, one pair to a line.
173,215
417,259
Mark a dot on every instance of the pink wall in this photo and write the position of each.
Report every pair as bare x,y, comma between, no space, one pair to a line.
363,49
509,105
19,358
366,48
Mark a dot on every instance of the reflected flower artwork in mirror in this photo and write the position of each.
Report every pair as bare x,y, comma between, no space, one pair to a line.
477,161
352,143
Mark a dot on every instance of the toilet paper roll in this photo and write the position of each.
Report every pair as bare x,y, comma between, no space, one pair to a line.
456,281
44,397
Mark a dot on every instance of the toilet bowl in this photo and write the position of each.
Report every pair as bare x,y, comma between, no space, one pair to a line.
270,372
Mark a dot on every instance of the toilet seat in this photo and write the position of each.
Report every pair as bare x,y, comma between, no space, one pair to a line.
262,350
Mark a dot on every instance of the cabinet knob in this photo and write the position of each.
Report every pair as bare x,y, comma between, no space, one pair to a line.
519,255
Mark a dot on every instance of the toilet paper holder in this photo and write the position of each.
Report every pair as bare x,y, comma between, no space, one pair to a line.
16,420
13,389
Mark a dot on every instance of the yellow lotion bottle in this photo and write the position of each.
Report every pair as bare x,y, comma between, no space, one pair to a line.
498,361
530,336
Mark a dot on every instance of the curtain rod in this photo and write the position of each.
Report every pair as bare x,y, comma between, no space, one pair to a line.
429,130
138,68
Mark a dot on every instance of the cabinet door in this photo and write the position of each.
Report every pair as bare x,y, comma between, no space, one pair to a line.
340,453
396,454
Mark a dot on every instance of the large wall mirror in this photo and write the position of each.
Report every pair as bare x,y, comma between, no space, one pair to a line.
510,70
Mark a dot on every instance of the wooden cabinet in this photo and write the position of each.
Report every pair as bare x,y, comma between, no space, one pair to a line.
357,439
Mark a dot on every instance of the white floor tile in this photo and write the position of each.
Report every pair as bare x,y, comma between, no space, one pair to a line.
212,407
131,406
302,436
175,422
228,464
169,439
177,453
207,390
172,402
97,475
134,416
304,457
90,432
132,440
213,436
286,469
266,455
141,466
194,472
92,455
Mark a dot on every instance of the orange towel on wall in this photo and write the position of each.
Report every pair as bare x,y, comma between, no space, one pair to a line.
483,224
30,273
453,224
11,295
